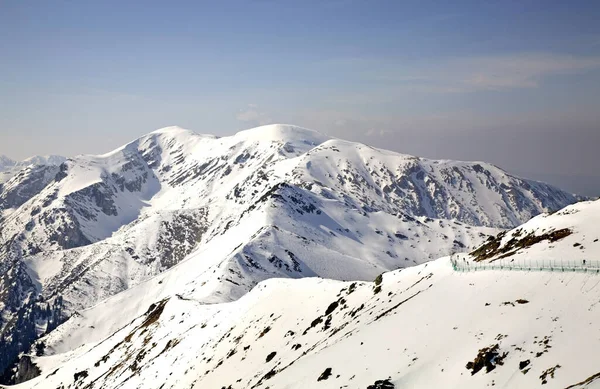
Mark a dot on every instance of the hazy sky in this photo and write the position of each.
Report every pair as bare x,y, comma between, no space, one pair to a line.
515,83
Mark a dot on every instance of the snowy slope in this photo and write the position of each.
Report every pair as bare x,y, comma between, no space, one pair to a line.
536,240
422,327
19,181
227,213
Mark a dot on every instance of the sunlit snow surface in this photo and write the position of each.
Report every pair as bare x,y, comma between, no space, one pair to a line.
198,221
419,330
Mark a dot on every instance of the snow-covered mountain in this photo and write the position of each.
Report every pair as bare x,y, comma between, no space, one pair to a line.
207,219
42,160
9,167
6,162
426,326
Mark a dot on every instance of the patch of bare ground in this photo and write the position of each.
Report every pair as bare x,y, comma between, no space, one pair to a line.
488,357
493,248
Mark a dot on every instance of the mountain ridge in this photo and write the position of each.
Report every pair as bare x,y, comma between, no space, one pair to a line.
227,213
509,329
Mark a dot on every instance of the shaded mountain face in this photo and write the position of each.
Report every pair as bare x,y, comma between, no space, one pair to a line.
209,218
425,326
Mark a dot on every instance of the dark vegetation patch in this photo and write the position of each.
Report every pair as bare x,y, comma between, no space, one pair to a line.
351,288
356,310
80,375
313,324
459,244
518,301
325,375
271,356
548,373
269,375
154,312
264,332
382,384
331,308
378,279
488,357
545,344
492,248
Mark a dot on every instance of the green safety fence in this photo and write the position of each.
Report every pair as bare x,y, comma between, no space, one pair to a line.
581,266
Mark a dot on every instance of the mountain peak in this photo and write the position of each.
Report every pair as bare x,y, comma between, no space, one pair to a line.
177,132
283,132
170,130
6,161
8,164
42,160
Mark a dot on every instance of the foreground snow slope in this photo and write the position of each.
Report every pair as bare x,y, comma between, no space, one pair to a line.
422,327
575,227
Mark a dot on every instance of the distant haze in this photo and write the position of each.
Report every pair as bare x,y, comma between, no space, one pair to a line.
516,84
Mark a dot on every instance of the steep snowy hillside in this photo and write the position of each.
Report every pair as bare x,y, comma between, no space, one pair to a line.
575,227
427,326
227,213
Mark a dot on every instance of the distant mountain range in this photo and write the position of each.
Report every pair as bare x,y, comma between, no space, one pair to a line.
9,167
178,215
7,163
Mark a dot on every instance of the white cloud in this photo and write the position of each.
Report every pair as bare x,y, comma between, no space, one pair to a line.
376,132
253,115
477,73
516,71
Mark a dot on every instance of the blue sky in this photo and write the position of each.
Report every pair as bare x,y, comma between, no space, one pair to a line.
516,83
